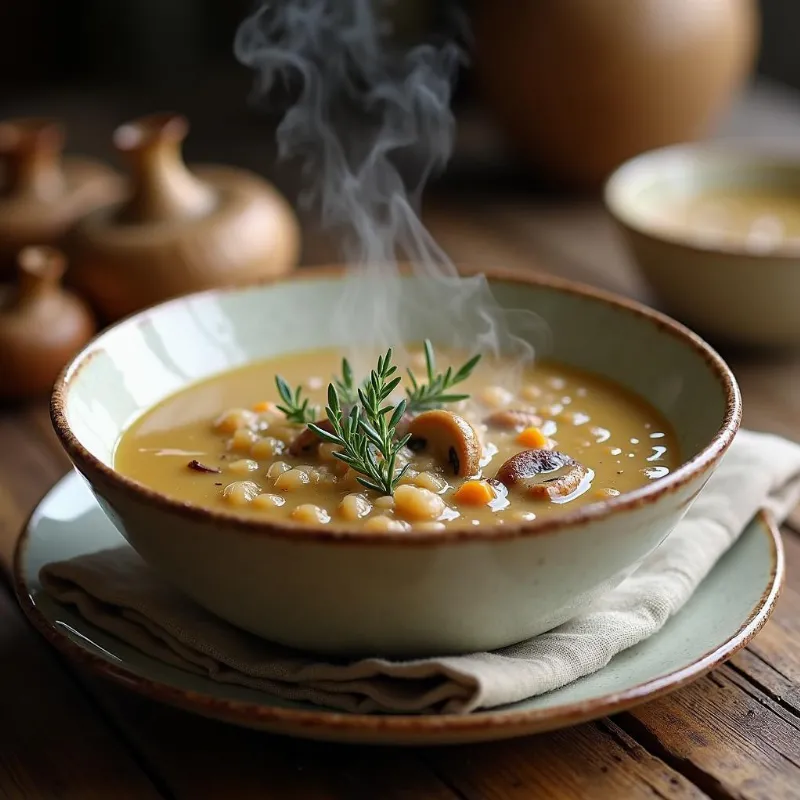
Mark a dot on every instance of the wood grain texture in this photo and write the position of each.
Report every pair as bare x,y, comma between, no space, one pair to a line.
724,735
772,661
591,761
736,732
53,744
199,758
52,741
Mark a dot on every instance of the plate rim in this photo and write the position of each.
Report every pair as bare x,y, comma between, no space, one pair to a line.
331,723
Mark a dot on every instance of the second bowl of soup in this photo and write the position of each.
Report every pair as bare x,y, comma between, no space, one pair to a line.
715,230
511,503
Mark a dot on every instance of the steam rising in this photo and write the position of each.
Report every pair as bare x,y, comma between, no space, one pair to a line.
364,105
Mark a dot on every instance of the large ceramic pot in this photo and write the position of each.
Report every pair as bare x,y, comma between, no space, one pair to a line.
579,86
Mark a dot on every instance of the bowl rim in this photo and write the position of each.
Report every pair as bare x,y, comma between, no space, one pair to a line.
707,457
695,157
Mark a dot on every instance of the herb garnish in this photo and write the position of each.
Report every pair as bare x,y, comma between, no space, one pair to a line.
295,406
346,386
367,434
433,394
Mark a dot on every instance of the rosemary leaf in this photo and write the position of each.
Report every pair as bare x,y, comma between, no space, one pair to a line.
295,406
434,393
367,434
345,385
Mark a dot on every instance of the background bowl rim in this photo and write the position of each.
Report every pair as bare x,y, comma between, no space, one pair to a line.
704,460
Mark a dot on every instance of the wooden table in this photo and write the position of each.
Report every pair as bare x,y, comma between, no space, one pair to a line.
732,734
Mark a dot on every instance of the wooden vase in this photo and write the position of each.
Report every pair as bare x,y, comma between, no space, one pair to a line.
42,193
42,325
178,230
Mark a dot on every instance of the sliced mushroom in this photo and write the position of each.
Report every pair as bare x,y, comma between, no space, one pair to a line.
307,442
402,427
513,419
450,439
543,474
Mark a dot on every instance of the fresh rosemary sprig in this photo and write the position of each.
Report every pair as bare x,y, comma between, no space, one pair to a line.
366,434
346,386
434,393
295,406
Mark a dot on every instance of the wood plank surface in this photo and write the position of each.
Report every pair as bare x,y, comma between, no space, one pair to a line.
53,743
597,760
593,760
727,738
199,758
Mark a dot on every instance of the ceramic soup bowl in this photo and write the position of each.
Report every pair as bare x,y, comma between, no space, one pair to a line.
741,293
399,593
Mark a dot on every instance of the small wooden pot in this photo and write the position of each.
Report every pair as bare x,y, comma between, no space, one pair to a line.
41,192
179,230
42,325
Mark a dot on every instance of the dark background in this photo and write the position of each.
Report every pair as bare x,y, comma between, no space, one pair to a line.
94,64
177,43
135,42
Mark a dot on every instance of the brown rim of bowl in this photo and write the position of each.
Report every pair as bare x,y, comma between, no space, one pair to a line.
536,720
628,501
691,154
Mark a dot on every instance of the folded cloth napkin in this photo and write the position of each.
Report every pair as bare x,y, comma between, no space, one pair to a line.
116,591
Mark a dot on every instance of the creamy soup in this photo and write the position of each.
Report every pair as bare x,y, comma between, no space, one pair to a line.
563,439
757,220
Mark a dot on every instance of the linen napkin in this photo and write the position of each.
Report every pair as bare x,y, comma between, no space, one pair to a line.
117,592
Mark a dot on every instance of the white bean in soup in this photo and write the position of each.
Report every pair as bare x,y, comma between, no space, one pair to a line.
560,439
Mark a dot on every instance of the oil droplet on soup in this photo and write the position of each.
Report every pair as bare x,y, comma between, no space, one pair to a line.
223,444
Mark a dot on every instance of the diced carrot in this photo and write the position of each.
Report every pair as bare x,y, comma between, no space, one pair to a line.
532,437
474,493
264,405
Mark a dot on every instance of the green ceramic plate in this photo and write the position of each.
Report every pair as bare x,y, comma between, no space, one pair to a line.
724,614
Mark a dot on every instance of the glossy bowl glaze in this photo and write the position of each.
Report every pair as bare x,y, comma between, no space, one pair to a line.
400,594
725,291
